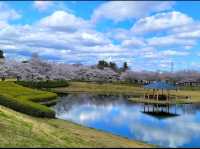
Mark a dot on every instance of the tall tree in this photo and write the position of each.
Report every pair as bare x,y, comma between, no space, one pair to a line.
102,64
113,66
125,66
1,54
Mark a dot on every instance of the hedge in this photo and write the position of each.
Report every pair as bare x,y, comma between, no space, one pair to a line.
27,107
44,84
24,99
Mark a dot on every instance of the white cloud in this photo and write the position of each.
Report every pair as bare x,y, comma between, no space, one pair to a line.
64,21
168,29
154,46
92,38
161,21
49,39
8,13
187,27
152,57
170,40
119,34
42,5
123,10
174,53
193,34
3,24
148,52
133,42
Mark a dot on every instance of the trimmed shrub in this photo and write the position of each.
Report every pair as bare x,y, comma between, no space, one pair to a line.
24,99
27,107
44,84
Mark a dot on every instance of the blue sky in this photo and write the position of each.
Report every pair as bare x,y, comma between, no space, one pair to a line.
148,35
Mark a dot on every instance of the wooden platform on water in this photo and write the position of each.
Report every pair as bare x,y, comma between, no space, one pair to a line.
152,101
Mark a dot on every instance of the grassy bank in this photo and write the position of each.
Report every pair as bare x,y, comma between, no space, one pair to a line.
20,130
190,88
25,99
195,95
108,88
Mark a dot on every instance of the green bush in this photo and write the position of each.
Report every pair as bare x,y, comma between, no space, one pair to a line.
24,99
27,107
44,84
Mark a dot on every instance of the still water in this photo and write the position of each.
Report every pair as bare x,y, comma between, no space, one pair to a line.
115,114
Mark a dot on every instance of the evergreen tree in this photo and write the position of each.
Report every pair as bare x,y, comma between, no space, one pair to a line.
113,66
1,54
125,66
102,64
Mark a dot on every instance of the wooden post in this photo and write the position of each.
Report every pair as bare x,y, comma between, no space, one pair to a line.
153,93
168,94
157,95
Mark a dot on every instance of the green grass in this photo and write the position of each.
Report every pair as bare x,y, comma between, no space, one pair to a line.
190,88
195,95
25,99
106,88
124,89
20,130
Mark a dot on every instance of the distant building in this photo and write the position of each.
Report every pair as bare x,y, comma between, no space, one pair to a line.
142,81
189,82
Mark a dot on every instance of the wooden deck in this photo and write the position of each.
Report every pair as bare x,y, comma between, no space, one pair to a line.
153,101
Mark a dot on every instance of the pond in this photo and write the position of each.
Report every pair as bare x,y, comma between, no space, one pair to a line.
115,114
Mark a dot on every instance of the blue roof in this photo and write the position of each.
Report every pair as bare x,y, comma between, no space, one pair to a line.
160,85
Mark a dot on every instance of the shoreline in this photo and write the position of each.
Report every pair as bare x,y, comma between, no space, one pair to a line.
130,91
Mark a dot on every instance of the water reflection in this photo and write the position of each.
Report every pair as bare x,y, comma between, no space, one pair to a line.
118,116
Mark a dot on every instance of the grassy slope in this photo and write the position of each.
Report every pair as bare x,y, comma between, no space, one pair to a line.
20,130
124,89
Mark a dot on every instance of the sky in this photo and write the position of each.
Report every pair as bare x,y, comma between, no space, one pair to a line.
148,35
